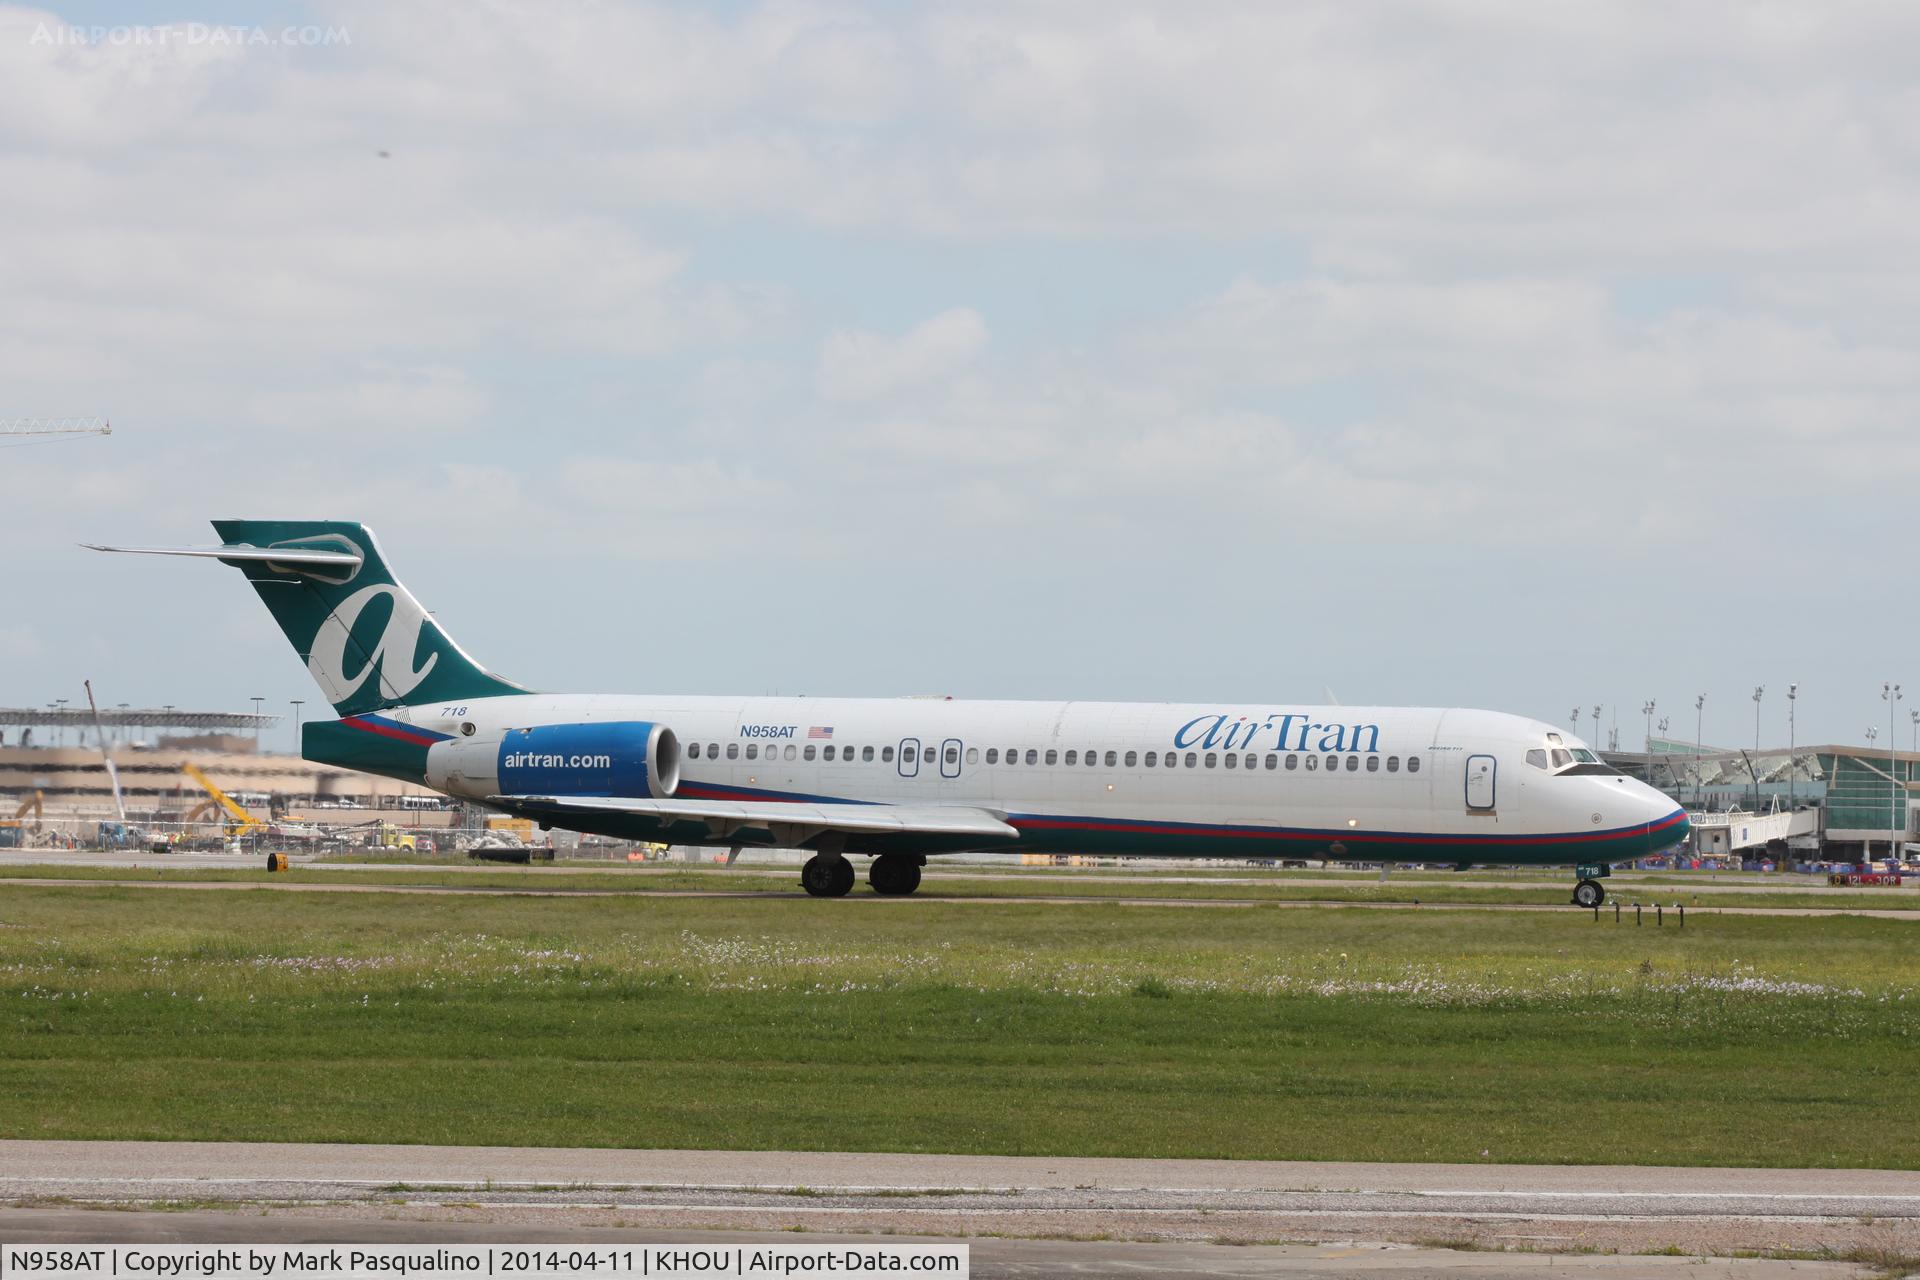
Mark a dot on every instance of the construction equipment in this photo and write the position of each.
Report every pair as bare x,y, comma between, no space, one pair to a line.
242,823
106,753
18,428
13,831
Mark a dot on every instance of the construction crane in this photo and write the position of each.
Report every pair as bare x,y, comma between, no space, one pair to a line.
243,822
12,429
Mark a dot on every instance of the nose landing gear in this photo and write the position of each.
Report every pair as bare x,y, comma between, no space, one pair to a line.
1590,893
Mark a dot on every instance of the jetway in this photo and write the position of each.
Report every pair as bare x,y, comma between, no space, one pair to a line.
1736,829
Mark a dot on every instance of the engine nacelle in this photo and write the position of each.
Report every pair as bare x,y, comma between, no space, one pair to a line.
622,758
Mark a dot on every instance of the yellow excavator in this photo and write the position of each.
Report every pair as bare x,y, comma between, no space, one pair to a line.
240,822
14,830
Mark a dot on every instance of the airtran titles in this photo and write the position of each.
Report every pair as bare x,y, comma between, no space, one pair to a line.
1275,731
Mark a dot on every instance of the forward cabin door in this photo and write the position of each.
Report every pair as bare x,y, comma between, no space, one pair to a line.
1482,776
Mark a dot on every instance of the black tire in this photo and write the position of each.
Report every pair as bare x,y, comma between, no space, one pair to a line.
824,879
894,875
1589,894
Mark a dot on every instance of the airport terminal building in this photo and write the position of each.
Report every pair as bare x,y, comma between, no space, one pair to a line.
1826,802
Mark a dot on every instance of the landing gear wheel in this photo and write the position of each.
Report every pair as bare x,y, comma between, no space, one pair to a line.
894,875
1589,894
827,878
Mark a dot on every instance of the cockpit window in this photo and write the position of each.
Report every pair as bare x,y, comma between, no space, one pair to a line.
1585,756
1561,757
1537,758
1554,738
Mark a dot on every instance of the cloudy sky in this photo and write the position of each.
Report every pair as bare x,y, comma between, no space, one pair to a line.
1508,355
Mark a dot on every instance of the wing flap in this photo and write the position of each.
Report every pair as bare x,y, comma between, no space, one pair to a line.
946,820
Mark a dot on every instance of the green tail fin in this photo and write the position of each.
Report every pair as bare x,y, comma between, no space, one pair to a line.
365,639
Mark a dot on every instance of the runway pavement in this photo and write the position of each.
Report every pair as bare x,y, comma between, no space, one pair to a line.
445,1192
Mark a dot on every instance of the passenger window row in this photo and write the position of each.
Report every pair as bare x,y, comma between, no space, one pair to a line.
1250,761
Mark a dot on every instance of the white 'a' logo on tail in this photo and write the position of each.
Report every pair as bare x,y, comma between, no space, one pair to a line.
392,656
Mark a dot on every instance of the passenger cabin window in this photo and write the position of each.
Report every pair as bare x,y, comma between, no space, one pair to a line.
1193,758
1353,764
1293,762
973,756
1373,764
1073,757
1333,763
953,755
1212,757
808,753
993,755
1132,757
1313,762
1393,764
1151,759
886,755
1233,761
1413,764
1053,756
826,752
1537,758
1253,761
1113,759
1093,758
733,751
1033,756
789,752
753,751
866,753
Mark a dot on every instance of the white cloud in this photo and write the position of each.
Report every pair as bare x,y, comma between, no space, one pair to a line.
863,366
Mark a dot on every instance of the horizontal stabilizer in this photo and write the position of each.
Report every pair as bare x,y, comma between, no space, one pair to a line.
313,557
945,820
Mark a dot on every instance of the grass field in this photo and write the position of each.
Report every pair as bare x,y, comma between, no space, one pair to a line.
1045,1028
1527,888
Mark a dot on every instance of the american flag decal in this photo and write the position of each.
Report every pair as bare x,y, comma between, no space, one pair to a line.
820,731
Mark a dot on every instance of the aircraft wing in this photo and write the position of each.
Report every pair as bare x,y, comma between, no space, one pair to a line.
789,823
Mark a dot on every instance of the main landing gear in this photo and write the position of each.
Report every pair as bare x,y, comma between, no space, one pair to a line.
1590,893
829,874
895,874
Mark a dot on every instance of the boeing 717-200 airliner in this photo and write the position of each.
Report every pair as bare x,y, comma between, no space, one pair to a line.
901,779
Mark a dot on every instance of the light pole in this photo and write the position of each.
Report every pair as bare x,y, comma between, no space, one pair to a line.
256,724
1915,713
1873,735
1896,817
1793,693
1754,768
1647,710
1699,715
1596,726
1574,721
297,704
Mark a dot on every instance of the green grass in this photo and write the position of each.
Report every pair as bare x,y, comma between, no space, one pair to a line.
991,883
1042,1029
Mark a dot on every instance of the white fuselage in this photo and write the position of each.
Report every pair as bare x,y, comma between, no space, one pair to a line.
1360,783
